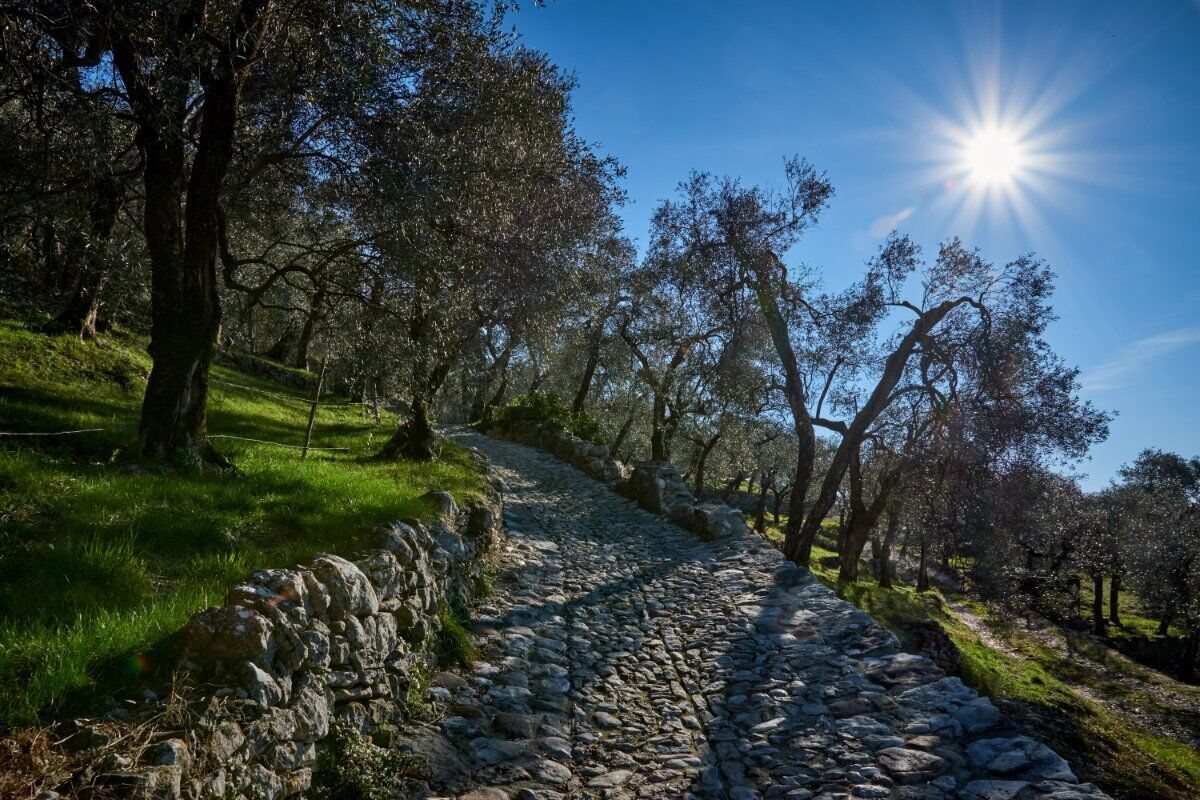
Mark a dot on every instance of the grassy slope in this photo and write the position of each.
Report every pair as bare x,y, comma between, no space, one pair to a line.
1115,752
99,563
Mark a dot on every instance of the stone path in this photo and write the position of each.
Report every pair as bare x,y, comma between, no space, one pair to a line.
625,658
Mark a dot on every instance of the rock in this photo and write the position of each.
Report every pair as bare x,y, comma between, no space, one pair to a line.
911,766
610,780
260,686
385,573
350,592
170,752
992,790
494,751
157,783
1020,756
547,771
488,793
514,726
605,720
978,715
443,502
229,634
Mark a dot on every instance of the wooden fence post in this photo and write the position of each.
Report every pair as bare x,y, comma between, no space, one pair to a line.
312,411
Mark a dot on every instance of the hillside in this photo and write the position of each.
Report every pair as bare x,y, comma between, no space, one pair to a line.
1122,725
101,561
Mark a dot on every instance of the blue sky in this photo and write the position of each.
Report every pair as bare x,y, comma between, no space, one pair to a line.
1103,100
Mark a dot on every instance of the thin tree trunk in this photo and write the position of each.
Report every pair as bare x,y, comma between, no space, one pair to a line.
416,438
589,371
626,426
760,513
307,330
658,429
794,545
885,550
1114,592
1098,622
923,569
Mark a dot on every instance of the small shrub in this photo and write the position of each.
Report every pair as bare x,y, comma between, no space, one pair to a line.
350,767
545,407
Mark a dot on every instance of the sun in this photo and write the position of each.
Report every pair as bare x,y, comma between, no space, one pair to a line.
993,157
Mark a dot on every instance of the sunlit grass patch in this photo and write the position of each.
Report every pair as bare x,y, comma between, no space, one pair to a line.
100,561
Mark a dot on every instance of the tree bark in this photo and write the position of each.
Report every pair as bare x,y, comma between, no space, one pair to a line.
282,347
760,513
885,550
416,439
701,461
309,327
658,429
182,237
1098,621
589,370
795,547
626,426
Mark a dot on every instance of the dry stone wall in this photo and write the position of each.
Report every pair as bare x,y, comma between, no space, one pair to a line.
657,486
292,652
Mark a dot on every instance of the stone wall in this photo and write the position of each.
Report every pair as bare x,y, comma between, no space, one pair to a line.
591,459
656,486
294,651
266,368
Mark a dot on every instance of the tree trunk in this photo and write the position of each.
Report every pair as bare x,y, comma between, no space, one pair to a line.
1164,623
310,324
885,550
875,405
282,349
923,569
760,513
795,547
79,315
1098,622
185,305
857,530
775,506
1114,592
589,371
626,426
416,439
658,429
185,309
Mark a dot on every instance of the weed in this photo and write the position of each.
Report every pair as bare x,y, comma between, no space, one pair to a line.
452,646
351,767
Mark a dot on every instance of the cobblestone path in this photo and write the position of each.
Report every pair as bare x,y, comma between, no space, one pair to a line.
624,658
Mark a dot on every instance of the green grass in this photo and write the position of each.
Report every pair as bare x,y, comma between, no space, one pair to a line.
1126,759
452,646
101,561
